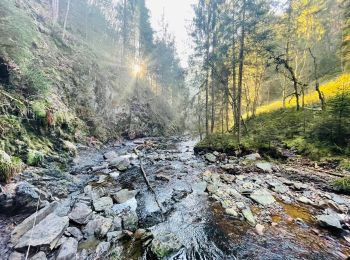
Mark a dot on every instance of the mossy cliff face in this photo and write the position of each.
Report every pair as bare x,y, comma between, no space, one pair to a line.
57,87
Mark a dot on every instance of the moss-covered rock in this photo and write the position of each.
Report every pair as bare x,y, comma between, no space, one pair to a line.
165,244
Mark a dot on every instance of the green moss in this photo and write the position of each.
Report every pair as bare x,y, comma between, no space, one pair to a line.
39,108
34,158
9,168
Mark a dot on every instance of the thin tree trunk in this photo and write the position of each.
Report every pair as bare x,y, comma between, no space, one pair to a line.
234,87
240,74
199,117
65,20
317,84
207,74
213,81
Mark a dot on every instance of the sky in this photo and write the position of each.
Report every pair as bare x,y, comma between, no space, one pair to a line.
178,14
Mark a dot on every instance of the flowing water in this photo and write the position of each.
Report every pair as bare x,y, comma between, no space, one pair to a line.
200,223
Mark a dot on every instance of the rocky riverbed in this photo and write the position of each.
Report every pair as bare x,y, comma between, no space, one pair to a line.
206,206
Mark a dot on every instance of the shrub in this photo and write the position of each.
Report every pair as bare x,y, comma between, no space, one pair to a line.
39,108
34,158
9,167
342,185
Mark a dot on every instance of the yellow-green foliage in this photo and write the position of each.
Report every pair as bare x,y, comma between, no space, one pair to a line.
34,158
9,168
39,108
330,89
342,184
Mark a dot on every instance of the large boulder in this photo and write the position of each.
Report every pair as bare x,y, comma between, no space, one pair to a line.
81,213
26,197
68,250
263,197
28,223
45,234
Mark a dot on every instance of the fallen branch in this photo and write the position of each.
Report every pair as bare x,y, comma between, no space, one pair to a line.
148,183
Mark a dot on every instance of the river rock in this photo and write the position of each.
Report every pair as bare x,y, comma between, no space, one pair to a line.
114,236
165,244
68,250
210,157
253,157
130,221
121,163
102,204
280,189
130,205
26,197
263,197
45,234
98,227
305,200
81,213
39,256
231,211
28,223
75,232
124,195
264,166
259,229
248,215
64,207
300,186
331,221
110,156
102,249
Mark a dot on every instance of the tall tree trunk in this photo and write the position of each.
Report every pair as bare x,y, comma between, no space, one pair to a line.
213,76
207,73
234,86
240,73
65,19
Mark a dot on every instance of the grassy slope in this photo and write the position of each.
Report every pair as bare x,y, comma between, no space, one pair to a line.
274,128
330,89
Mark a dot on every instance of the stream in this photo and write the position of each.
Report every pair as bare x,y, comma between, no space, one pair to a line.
194,196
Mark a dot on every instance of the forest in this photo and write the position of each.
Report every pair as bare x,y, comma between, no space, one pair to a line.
155,129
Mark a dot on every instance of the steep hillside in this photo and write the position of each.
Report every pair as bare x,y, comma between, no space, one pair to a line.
62,79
